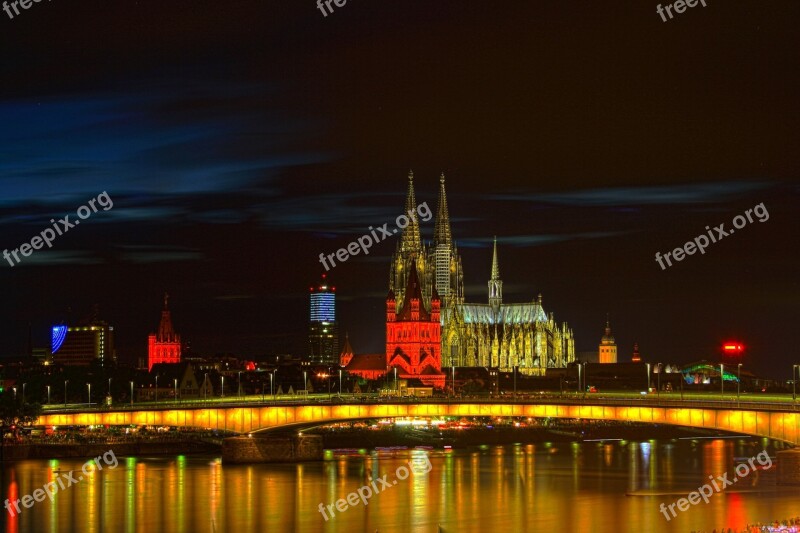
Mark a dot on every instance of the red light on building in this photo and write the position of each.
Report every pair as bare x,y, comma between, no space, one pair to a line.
733,348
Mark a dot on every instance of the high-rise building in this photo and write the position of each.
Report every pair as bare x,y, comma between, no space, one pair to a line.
83,345
164,346
607,350
323,335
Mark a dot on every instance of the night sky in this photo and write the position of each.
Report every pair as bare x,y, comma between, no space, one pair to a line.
239,140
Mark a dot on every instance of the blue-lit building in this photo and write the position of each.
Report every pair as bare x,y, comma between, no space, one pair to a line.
83,345
323,333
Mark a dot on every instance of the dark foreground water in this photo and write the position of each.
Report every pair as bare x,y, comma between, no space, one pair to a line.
515,488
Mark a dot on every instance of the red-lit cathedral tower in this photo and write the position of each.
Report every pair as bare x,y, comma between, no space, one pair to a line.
164,346
414,334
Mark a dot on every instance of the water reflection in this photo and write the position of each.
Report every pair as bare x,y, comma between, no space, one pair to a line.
522,487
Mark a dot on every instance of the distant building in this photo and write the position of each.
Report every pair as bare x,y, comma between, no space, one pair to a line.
607,351
164,346
347,352
323,334
636,357
176,380
83,345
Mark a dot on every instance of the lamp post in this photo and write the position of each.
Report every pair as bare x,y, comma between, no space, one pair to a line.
23,392
271,377
89,386
131,393
454,381
48,394
794,383
738,381
205,387
648,377
658,381
340,383
580,367
15,393
722,379
395,379
305,384
156,388
109,386
65,392
239,392
175,389
222,389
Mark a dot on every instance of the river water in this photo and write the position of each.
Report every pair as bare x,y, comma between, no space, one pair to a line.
546,487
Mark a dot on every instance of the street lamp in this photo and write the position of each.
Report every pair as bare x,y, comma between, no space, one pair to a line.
23,392
15,393
658,381
131,393
89,386
48,394
580,367
738,380
239,392
271,377
305,384
222,391
794,383
340,382
205,387
65,392
648,377
722,379
109,386
454,381
175,389
156,388
395,379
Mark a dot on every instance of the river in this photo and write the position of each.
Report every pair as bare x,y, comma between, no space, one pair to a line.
543,487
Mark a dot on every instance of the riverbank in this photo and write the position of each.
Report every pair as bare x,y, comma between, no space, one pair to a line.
22,452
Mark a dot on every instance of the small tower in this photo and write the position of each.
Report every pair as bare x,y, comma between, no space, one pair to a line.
495,283
607,351
347,352
636,357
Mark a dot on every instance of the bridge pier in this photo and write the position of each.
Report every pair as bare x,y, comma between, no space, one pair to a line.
272,449
789,467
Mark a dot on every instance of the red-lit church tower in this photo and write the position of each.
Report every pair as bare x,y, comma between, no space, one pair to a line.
413,334
164,346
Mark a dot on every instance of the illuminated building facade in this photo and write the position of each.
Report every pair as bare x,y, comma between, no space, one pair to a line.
413,334
607,350
492,334
323,335
164,346
83,345
636,357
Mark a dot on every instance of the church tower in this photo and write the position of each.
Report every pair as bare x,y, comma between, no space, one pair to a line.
607,351
495,283
164,346
409,250
447,274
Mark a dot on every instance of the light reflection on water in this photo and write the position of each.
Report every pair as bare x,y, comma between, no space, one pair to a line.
522,487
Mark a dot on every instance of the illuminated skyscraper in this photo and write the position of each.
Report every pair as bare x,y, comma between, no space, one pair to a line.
323,334
83,345
164,346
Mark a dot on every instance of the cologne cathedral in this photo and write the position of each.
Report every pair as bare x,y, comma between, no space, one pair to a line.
490,334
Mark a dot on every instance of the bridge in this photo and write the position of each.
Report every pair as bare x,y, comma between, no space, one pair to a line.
772,420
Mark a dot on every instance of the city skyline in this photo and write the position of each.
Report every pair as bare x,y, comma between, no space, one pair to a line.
230,174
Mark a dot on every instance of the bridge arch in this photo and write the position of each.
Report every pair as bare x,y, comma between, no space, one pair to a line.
780,425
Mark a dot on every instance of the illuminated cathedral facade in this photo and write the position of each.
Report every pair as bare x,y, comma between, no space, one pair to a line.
492,334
